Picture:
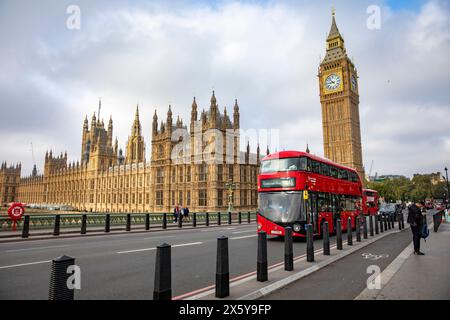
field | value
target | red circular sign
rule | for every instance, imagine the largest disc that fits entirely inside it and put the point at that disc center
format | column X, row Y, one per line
column 16, row 211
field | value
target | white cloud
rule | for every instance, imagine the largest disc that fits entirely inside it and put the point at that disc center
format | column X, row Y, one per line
column 264, row 54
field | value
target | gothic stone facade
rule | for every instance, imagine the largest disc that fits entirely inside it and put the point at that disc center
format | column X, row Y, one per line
column 106, row 181
column 9, row 180
column 340, row 104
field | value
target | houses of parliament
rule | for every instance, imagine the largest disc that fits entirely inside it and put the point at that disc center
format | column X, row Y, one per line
column 106, row 180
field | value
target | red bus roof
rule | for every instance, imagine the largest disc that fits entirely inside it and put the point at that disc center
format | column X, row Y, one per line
column 296, row 154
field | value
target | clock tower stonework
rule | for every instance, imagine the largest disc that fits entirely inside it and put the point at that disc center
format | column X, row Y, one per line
column 338, row 83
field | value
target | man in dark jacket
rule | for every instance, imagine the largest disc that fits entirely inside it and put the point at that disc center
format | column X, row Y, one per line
column 415, row 221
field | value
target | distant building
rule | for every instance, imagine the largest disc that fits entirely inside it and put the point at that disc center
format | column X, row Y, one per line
column 9, row 180
column 104, row 180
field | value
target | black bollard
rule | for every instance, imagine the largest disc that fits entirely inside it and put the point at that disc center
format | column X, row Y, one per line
column 398, row 222
column 288, row 250
column 147, row 221
column 56, row 225
column 26, row 227
column 59, row 277
column 248, row 217
column 371, row 225
column 128, row 227
column 207, row 219
column 358, row 228
column 385, row 223
column 229, row 217
column 239, row 217
column 326, row 239
column 163, row 273
column 365, row 227
column 194, row 219
column 309, row 243
column 403, row 222
column 381, row 223
column 107, row 222
column 261, row 262
column 164, row 222
column 393, row 222
column 349, row 232
column 219, row 219
column 338, row 235
column 83, row 224
column 222, row 268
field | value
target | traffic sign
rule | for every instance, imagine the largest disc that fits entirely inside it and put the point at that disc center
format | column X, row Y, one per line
column 16, row 212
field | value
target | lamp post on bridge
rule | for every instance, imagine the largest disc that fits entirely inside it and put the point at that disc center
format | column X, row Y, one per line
column 230, row 191
column 446, row 177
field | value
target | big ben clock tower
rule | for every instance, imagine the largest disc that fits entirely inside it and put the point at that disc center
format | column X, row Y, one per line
column 338, row 82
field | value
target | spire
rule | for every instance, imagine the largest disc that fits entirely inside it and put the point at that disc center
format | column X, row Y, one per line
column 267, row 151
column 194, row 105
column 236, row 115
column 169, row 119
column 307, row 148
column 334, row 31
column 136, row 117
column 110, row 125
column 213, row 99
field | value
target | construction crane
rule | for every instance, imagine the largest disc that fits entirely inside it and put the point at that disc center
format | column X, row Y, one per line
column 370, row 171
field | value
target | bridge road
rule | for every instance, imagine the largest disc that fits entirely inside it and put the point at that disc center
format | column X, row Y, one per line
column 115, row 267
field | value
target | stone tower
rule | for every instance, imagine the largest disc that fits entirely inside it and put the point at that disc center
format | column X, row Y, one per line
column 135, row 146
column 338, row 83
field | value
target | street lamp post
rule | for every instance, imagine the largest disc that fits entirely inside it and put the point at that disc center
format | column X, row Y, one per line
column 230, row 190
column 446, row 177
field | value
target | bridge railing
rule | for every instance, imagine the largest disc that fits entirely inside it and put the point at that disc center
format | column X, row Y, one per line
column 68, row 220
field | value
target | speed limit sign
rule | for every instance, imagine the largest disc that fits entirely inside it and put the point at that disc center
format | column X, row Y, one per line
column 16, row 212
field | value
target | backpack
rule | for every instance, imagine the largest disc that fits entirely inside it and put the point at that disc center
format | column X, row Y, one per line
column 424, row 233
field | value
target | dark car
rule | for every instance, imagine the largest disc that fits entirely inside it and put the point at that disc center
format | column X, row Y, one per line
column 388, row 210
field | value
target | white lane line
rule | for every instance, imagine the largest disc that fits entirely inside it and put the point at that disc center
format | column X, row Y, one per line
column 25, row 264
column 246, row 231
column 252, row 236
column 217, row 230
column 36, row 248
column 163, row 237
column 149, row 249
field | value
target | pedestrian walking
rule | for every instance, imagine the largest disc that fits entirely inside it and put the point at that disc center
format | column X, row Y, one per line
column 176, row 213
column 186, row 212
column 415, row 220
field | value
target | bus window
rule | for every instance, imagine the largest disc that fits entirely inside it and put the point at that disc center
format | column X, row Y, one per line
column 333, row 172
column 343, row 174
column 325, row 169
column 315, row 166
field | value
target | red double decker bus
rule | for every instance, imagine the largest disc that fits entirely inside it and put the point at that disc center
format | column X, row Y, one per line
column 370, row 202
column 332, row 192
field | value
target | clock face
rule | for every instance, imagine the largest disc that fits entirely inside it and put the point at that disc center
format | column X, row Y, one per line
column 353, row 79
column 332, row 82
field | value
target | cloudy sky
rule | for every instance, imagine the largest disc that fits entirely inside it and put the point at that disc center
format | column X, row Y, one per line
column 264, row 53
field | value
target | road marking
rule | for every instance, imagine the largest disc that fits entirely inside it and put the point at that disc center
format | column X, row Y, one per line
column 243, row 277
column 236, row 232
column 149, row 249
column 244, row 237
column 150, row 238
column 25, row 264
column 231, row 228
column 36, row 248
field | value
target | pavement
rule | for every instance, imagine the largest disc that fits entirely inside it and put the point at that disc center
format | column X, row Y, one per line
column 413, row 277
